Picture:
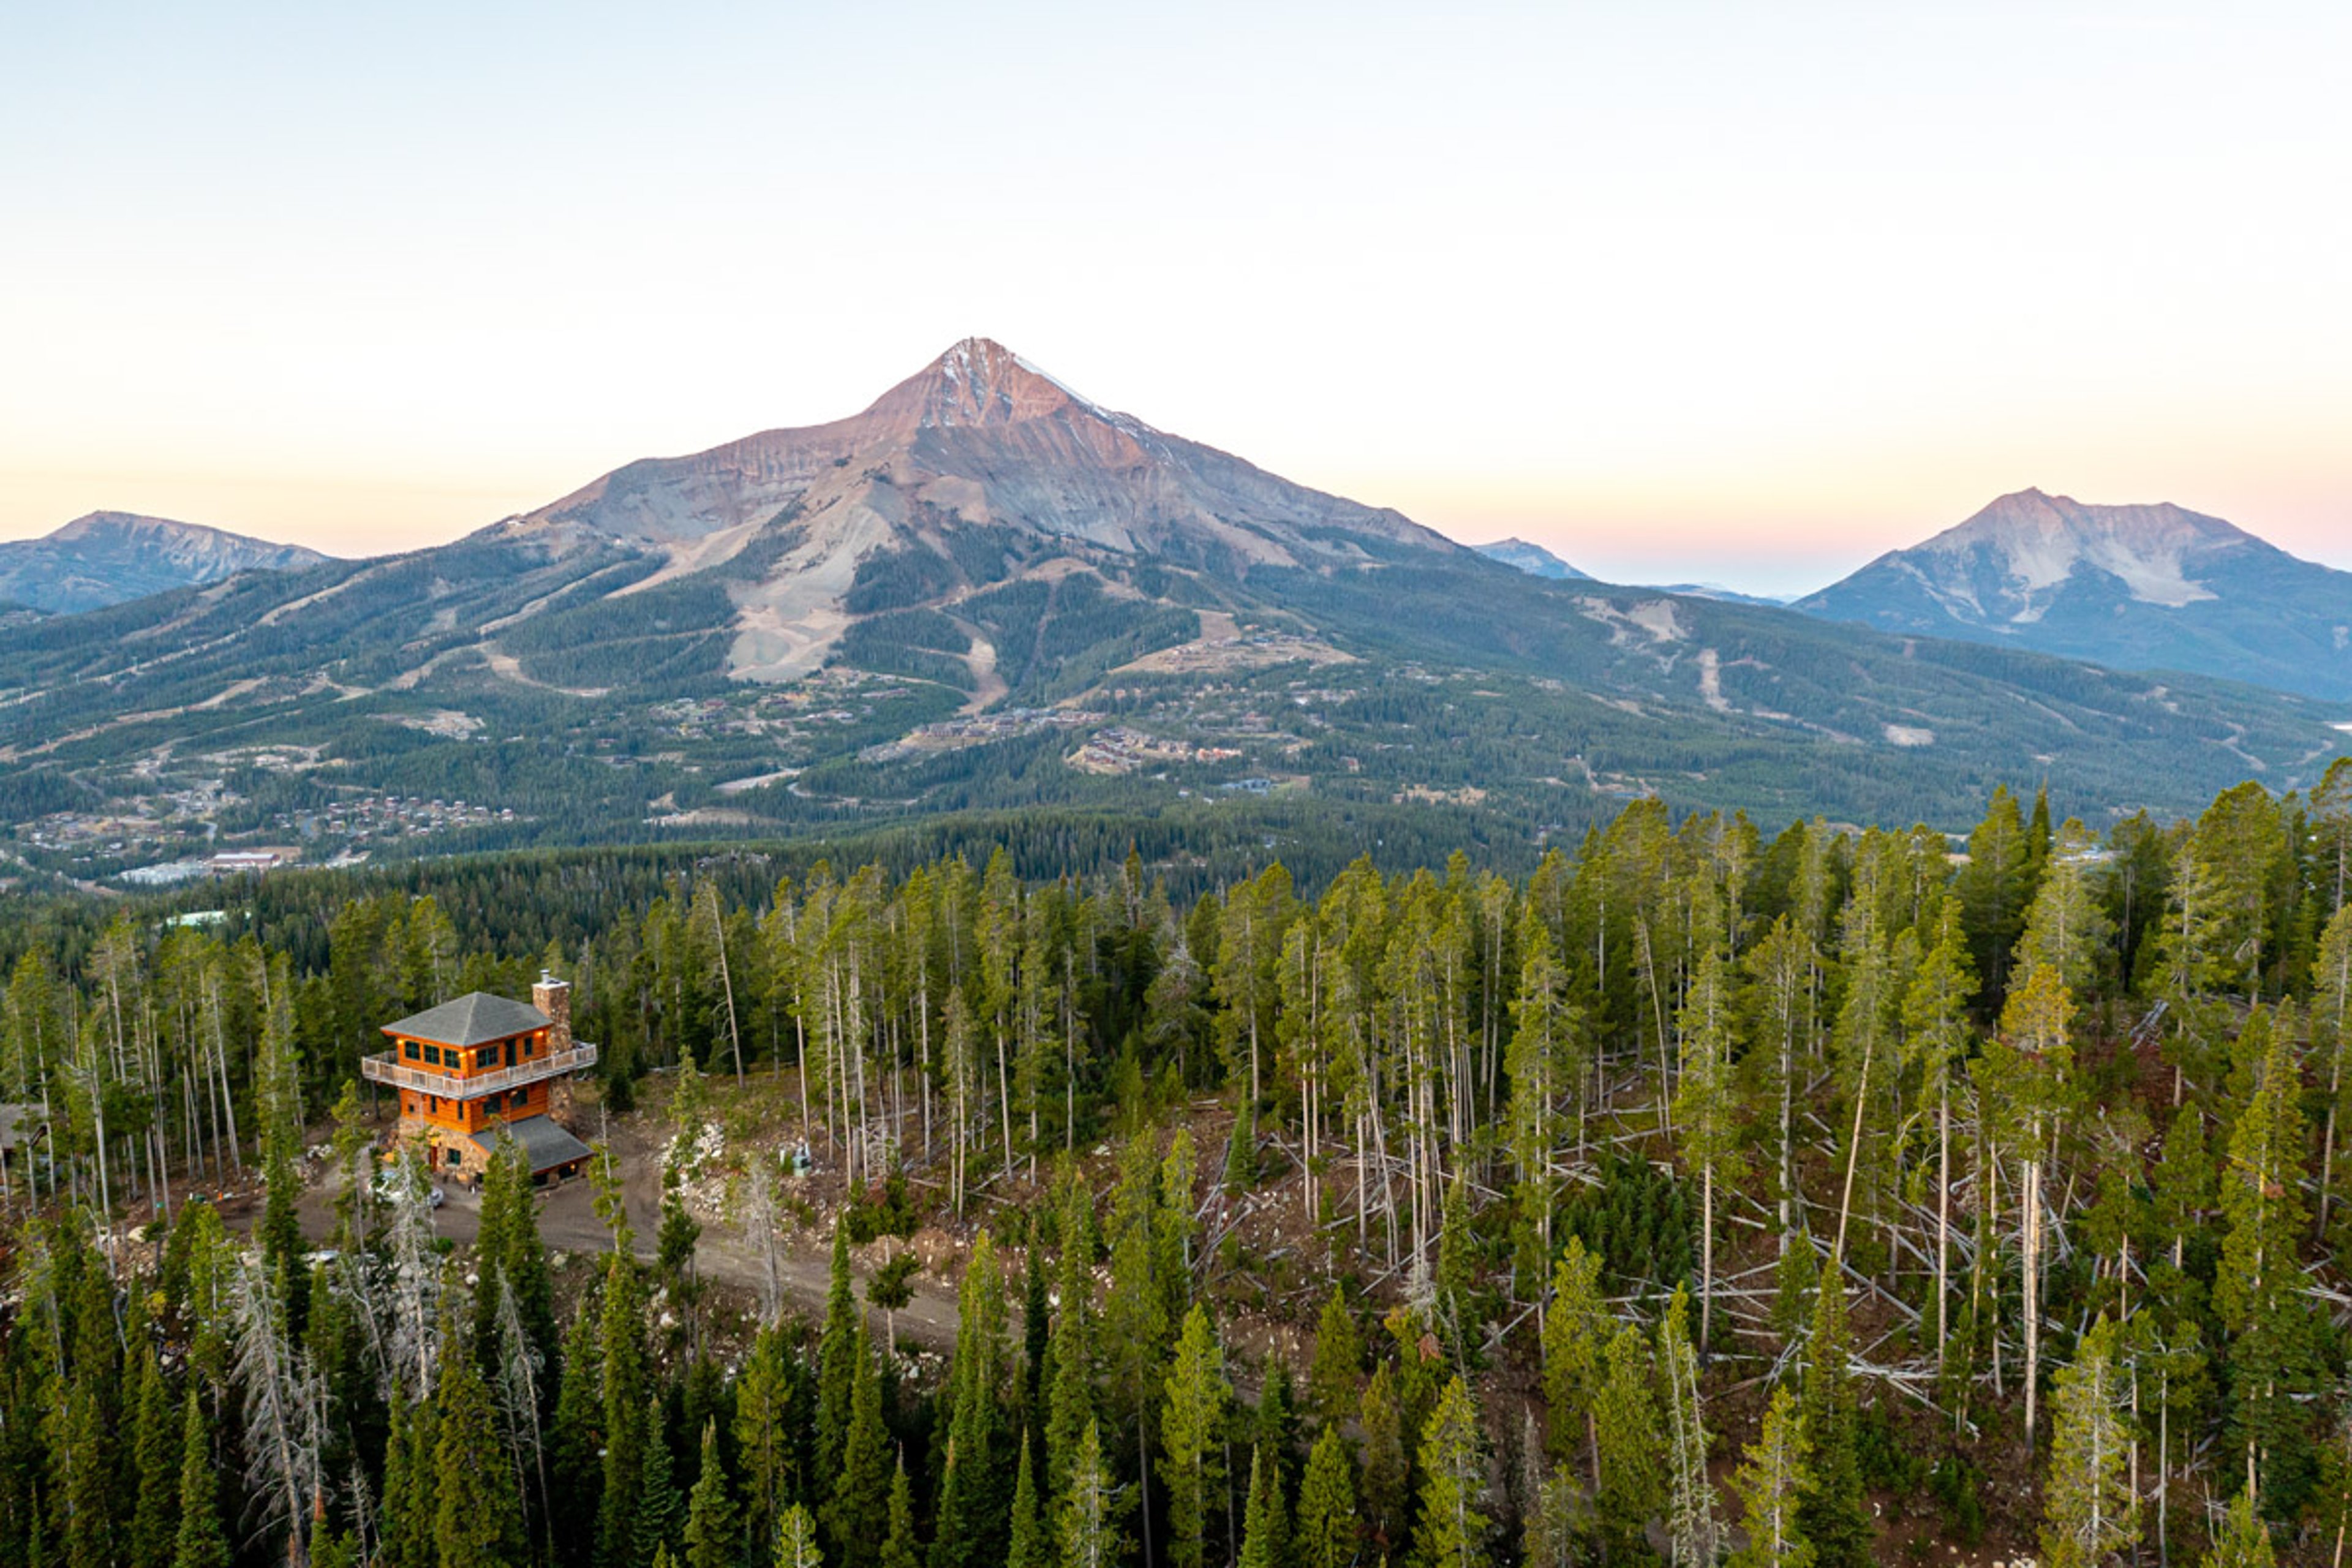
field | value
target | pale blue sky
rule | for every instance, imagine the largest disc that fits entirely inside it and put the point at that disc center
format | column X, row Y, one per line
column 1748, row 293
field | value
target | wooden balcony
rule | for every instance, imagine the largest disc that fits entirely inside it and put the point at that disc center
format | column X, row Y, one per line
column 388, row 1068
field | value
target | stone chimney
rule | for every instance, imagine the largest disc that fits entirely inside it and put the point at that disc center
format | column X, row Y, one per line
column 553, row 997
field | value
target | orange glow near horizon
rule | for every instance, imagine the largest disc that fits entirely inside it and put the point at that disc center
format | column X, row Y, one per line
column 1751, row 301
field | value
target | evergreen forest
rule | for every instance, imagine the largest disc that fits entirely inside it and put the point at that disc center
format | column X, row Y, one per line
column 1685, row 1196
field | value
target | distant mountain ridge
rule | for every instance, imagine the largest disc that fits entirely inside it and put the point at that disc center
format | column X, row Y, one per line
column 1532, row 559
column 110, row 557
column 2132, row 587
column 986, row 592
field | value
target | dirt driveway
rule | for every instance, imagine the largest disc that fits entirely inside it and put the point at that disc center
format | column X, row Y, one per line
column 568, row 1223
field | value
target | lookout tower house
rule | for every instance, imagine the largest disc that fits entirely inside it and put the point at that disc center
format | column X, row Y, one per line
column 468, row 1068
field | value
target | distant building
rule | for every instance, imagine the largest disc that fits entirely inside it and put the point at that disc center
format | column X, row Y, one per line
column 470, row 1068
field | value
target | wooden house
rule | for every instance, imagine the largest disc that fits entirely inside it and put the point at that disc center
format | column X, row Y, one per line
column 480, row 1067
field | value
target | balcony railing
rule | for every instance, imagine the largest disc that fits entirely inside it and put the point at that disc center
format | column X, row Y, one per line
column 386, row 1069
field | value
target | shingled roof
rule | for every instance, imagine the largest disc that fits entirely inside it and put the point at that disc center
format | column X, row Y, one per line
column 472, row 1019
column 548, row 1144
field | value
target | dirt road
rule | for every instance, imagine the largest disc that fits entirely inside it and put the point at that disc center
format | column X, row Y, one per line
column 568, row 1223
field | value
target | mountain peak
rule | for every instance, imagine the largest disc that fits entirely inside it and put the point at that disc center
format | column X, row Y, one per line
column 2036, row 511
column 105, row 557
column 2154, row 586
column 977, row 381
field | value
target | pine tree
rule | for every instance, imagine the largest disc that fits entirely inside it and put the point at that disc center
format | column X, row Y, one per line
column 2087, row 1504
column 1088, row 1534
column 1192, row 1463
column 1575, row 1333
column 1772, row 1484
column 1631, row 1449
column 155, row 1450
column 859, row 1514
column 1835, row 1516
column 478, row 1515
column 1265, row 1532
column 1385, row 1473
column 714, row 1537
column 796, row 1544
column 82, row 1466
column 621, row 1496
column 409, row 1509
column 661, row 1510
column 836, row 1359
column 1334, row 1379
column 575, row 1433
column 763, row 1436
column 2245, row 1541
column 971, row 1502
column 1028, row 1547
column 1452, row 1531
column 1328, row 1527
column 1070, row 1397
column 201, row 1543
column 899, row 1548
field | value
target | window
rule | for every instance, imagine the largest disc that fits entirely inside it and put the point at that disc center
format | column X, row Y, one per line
column 453, row 1154
column 408, row 1048
column 510, row 1053
column 432, row 1055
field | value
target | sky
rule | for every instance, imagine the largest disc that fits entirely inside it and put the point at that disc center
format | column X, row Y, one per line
column 1736, row 293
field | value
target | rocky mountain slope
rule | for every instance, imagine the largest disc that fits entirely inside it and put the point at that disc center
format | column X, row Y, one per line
column 109, row 557
column 986, row 593
column 2134, row 587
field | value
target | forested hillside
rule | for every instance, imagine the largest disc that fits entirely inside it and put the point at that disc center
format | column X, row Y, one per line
column 1831, row 1199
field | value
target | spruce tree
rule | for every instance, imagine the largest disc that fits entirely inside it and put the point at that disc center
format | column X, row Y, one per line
column 859, row 1514
column 200, row 1543
column 971, row 1510
column 621, row 1496
column 1088, row 1533
column 1772, row 1484
column 1833, row 1515
column 1451, row 1533
column 2243, row 1541
column 796, row 1544
column 763, row 1436
column 836, row 1359
column 1335, row 1378
column 1265, row 1532
column 476, row 1516
column 1385, row 1473
column 714, row 1535
column 1575, row 1336
column 1328, row 1528
column 1028, row 1546
column 1190, row 1431
column 1070, row 1399
column 574, row 1433
column 155, row 1449
column 1631, row 1449
column 661, row 1511
column 2088, row 1513
column 899, row 1548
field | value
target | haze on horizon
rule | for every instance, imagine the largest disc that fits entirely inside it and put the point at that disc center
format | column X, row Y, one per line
column 1680, row 293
